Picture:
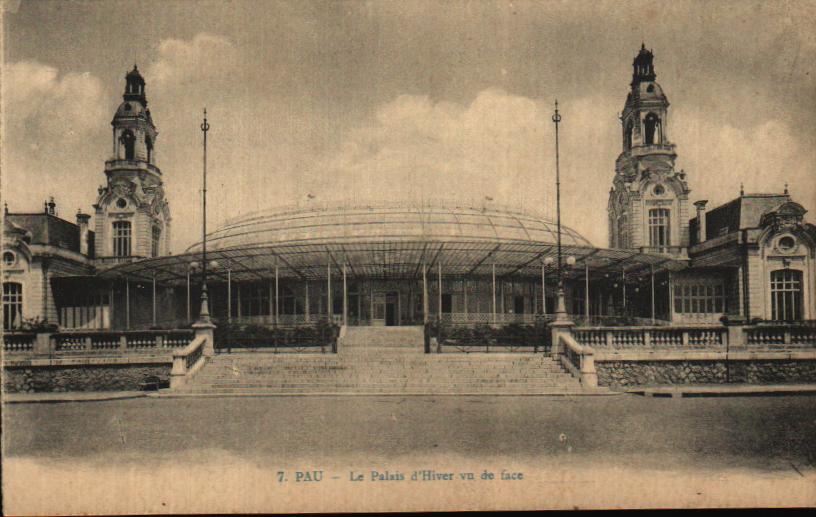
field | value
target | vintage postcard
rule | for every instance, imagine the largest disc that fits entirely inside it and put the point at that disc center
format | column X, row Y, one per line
column 370, row 256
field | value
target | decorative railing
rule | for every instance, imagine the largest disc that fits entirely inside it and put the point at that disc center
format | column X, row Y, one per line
column 483, row 338
column 318, row 338
column 112, row 165
column 19, row 342
column 780, row 336
column 651, row 337
column 120, row 341
column 469, row 318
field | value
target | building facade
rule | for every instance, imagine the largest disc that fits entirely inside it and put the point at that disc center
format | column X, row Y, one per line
column 751, row 258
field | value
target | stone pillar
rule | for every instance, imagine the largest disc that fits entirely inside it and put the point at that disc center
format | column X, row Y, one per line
column 701, row 220
column 559, row 327
column 82, row 222
column 206, row 328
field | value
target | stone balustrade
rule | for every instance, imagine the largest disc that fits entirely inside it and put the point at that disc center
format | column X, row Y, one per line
column 685, row 337
column 95, row 342
column 188, row 360
column 578, row 359
column 780, row 336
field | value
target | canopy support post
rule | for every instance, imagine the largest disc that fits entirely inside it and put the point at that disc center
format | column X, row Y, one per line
column 153, row 302
column 424, row 293
column 277, row 296
column 651, row 271
column 586, row 292
column 329, row 304
column 229, row 295
column 494, row 293
column 127, row 303
column 439, row 294
column 306, row 308
column 345, row 297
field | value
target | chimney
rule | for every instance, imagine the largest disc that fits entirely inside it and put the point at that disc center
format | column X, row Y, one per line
column 701, row 220
column 51, row 207
column 82, row 222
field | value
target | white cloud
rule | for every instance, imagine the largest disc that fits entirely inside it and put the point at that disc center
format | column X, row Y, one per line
column 53, row 140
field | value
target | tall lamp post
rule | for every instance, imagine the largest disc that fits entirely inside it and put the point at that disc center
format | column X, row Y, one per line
column 204, row 316
column 204, row 324
column 560, row 307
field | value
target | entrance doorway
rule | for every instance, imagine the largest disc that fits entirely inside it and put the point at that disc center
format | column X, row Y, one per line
column 385, row 309
column 391, row 309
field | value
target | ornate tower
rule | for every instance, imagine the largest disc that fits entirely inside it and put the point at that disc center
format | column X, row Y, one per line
column 132, row 214
column 648, row 202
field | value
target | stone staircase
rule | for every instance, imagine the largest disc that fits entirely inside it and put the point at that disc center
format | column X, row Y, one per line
column 381, row 361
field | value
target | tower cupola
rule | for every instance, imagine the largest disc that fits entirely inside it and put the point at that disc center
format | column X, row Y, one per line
column 643, row 66
column 135, row 87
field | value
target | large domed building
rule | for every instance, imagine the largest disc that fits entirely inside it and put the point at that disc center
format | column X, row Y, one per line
column 402, row 265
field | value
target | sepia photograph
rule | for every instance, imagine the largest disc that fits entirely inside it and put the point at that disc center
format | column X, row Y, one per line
column 323, row 256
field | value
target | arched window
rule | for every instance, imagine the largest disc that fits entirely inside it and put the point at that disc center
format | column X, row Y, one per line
column 12, row 305
column 623, row 242
column 630, row 127
column 121, row 238
column 129, row 142
column 652, row 129
column 786, row 295
column 149, row 145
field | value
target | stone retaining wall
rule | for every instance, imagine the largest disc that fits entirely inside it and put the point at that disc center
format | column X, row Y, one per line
column 752, row 371
column 56, row 378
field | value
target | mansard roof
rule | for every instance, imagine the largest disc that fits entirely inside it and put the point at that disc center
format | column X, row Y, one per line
column 50, row 230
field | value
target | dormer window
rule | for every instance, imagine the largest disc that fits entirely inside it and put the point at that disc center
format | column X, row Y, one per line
column 650, row 88
column 121, row 203
column 659, row 190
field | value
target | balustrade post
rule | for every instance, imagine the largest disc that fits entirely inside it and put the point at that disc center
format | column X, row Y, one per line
column 735, row 333
column 42, row 344
column 88, row 343
column 647, row 338
column 685, row 338
column 159, row 341
column 610, row 338
column 589, row 376
column 123, row 343
column 787, row 336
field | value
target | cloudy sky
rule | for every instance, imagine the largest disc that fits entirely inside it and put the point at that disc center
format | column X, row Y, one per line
column 404, row 100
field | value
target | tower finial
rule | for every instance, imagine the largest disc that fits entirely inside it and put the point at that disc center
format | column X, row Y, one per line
column 742, row 189
column 786, row 188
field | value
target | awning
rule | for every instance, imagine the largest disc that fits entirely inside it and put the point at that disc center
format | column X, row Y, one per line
column 393, row 260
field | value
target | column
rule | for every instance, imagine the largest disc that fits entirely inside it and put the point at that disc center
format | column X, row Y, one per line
column 307, row 309
column 330, row 305
column 623, row 287
column 154, row 299
column 651, row 268
column 271, row 297
column 229, row 295
column 277, row 297
column 189, row 317
column 424, row 294
column 464, row 296
column 345, row 297
column 586, row 291
column 439, row 294
column 543, row 289
column 494, row 293
column 127, row 304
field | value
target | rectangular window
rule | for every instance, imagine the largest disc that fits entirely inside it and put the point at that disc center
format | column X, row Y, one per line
column 699, row 299
column 251, row 299
column 12, row 305
column 121, row 239
column 85, row 311
column 658, row 227
column 786, row 295
column 155, row 241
